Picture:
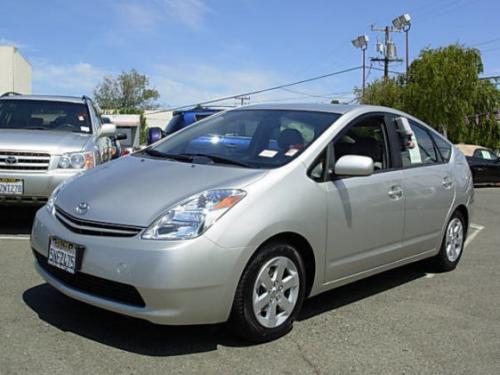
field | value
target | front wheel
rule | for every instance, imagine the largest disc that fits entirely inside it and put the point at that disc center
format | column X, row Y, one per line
column 270, row 293
column 453, row 244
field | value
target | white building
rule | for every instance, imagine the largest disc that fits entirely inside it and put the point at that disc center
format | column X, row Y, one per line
column 155, row 119
column 15, row 71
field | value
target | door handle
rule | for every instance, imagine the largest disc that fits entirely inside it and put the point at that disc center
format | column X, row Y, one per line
column 447, row 182
column 395, row 193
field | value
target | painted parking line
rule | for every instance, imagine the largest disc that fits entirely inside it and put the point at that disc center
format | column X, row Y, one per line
column 476, row 229
column 22, row 237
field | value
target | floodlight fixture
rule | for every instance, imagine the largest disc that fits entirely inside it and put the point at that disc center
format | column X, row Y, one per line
column 361, row 42
column 402, row 22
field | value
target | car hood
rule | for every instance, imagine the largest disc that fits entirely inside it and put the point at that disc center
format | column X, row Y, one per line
column 48, row 141
column 135, row 191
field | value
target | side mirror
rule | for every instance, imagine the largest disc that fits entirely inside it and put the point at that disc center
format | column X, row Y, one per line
column 120, row 136
column 107, row 130
column 154, row 135
column 354, row 165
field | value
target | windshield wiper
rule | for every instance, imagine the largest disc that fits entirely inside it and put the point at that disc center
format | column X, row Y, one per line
column 153, row 152
column 219, row 159
column 37, row 128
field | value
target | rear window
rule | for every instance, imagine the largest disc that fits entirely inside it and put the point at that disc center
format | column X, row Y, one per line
column 44, row 115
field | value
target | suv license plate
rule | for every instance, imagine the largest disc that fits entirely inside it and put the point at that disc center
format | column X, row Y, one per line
column 63, row 254
column 11, row 186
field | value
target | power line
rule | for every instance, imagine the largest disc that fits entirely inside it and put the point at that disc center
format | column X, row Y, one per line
column 485, row 42
column 255, row 92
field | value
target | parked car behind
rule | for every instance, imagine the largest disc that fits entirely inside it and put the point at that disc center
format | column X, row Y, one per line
column 45, row 140
column 483, row 162
column 179, row 120
column 321, row 196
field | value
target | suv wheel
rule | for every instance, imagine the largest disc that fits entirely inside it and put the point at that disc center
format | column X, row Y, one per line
column 270, row 293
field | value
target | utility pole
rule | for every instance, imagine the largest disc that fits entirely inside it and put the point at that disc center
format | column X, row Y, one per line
column 386, row 49
column 242, row 100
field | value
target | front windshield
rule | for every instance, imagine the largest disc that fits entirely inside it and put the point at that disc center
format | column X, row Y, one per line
column 250, row 138
column 44, row 115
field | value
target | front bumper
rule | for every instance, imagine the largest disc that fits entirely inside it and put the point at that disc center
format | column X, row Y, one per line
column 37, row 185
column 180, row 282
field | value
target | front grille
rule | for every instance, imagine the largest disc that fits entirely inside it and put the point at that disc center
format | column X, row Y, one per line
column 96, row 286
column 20, row 199
column 24, row 161
column 94, row 228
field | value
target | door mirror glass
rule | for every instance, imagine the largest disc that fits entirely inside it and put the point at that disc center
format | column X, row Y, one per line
column 354, row 165
column 154, row 135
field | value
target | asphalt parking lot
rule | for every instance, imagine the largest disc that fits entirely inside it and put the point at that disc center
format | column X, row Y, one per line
column 401, row 322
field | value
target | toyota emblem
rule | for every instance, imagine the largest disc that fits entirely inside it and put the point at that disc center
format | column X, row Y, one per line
column 11, row 160
column 82, row 208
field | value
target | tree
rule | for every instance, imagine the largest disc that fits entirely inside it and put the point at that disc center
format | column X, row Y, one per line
column 388, row 93
column 443, row 87
column 129, row 90
column 444, row 90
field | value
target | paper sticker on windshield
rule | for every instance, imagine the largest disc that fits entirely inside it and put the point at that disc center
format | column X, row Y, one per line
column 291, row 152
column 85, row 129
column 268, row 153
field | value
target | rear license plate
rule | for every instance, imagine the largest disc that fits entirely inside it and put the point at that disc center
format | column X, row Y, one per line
column 11, row 186
column 64, row 254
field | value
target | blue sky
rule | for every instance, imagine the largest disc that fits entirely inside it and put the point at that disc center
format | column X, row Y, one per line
column 194, row 50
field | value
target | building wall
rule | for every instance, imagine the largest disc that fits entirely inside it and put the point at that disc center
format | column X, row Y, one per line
column 15, row 71
column 156, row 119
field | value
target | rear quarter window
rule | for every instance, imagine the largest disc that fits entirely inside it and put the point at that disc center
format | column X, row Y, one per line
column 443, row 146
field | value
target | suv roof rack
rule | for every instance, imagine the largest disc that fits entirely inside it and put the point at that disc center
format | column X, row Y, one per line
column 9, row 93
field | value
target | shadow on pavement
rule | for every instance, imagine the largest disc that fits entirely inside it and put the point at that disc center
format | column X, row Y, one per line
column 122, row 332
column 141, row 337
column 16, row 220
column 362, row 289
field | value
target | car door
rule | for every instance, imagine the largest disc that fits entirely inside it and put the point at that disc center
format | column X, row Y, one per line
column 365, row 214
column 429, row 192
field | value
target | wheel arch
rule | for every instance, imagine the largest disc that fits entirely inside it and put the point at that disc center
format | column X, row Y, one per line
column 465, row 213
column 305, row 250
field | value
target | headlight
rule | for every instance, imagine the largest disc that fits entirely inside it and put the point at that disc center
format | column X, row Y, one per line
column 52, row 199
column 193, row 216
column 77, row 160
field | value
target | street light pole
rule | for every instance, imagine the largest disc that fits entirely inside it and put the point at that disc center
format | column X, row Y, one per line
column 406, row 30
column 361, row 42
column 364, row 69
column 403, row 23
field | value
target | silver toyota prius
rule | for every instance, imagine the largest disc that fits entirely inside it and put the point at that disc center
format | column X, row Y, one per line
column 241, row 216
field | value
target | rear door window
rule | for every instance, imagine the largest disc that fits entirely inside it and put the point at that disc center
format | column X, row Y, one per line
column 422, row 150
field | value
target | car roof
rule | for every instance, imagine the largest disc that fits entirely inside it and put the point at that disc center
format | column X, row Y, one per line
column 53, row 98
column 319, row 107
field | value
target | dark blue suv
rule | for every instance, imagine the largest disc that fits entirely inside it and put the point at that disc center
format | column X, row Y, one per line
column 181, row 119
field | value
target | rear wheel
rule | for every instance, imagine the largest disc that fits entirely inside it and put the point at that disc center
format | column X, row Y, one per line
column 453, row 244
column 270, row 293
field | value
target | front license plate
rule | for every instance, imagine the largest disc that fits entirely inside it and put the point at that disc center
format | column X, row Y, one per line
column 11, row 186
column 64, row 254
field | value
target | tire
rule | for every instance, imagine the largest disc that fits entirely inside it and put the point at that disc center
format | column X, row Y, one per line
column 452, row 246
column 255, row 321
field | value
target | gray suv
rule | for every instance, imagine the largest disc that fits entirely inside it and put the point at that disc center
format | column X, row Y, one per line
column 44, row 140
